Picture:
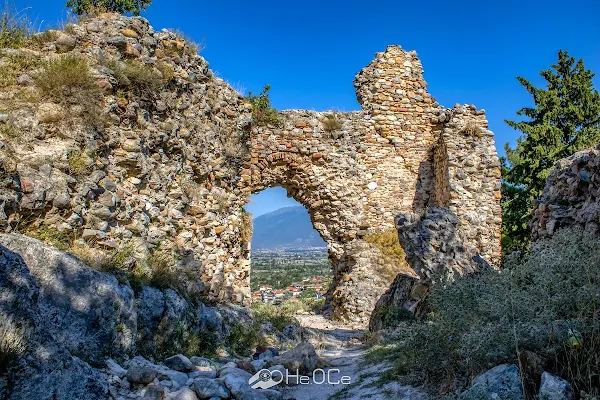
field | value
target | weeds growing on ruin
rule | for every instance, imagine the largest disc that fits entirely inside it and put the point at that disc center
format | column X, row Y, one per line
column 331, row 123
column 67, row 80
column 263, row 113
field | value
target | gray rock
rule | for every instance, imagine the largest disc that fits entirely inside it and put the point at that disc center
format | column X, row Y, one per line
column 302, row 358
column 268, row 354
column 61, row 378
column 203, row 373
column 25, row 80
column 88, row 312
column 183, row 394
column 115, row 368
column 209, row 388
column 226, row 371
column 555, row 388
column 65, row 43
column 179, row 362
column 153, row 392
column 258, row 364
column 141, row 374
column 271, row 394
column 240, row 389
column 177, row 378
column 501, row 382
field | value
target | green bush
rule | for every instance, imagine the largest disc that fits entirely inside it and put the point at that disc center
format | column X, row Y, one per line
column 531, row 306
column 262, row 112
column 280, row 316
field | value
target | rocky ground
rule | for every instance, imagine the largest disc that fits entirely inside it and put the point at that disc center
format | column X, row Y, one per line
column 341, row 351
column 336, row 350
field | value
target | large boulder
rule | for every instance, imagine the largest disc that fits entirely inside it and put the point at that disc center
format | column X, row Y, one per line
column 302, row 358
column 88, row 312
column 501, row 382
column 31, row 302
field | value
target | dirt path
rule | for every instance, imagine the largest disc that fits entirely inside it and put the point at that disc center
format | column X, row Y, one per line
column 341, row 351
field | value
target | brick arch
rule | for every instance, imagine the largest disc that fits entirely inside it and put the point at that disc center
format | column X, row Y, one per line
column 401, row 153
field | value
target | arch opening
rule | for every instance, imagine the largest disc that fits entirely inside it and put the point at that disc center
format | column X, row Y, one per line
column 289, row 259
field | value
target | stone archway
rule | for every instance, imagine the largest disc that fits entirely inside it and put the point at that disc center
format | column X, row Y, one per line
column 402, row 152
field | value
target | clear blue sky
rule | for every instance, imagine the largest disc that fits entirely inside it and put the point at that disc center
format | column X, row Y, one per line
column 309, row 51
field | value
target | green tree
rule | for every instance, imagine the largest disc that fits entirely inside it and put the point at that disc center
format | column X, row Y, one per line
column 565, row 119
column 120, row 6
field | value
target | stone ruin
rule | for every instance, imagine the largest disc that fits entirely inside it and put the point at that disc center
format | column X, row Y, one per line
column 174, row 172
column 402, row 153
column 571, row 197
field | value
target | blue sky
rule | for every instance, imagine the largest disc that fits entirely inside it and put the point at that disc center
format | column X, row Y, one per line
column 309, row 51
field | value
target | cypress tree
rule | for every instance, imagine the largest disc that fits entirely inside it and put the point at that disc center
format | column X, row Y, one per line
column 565, row 119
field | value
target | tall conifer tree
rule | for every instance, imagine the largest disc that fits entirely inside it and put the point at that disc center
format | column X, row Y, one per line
column 565, row 119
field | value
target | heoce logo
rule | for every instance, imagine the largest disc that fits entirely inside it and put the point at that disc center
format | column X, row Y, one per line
column 265, row 379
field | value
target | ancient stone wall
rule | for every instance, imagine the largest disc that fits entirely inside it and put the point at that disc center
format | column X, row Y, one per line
column 571, row 197
column 401, row 153
column 172, row 170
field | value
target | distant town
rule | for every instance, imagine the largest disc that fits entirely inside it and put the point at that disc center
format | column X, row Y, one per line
column 279, row 275
column 313, row 288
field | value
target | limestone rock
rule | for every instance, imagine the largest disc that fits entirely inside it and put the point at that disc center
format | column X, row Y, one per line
column 183, row 394
column 179, row 362
column 571, row 196
column 141, row 374
column 208, row 388
column 501, row 382
column 86, row 311
column 555, row 388
column 302, row 358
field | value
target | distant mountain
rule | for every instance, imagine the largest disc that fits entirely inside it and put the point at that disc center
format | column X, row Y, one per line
column 286, row 228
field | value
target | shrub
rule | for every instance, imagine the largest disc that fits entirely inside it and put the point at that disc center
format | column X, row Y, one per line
column 140, row 79
column 280, row 316
column 331, row 123
column 8, row 131
column 262, row 111
column 164, row 268
column 244, row 337
column 15, row 28
column 12, row 342
column 15, row 65
column 47, row 233
column 93, row 7
column 79, row 162
column 40, row 39
column 530, row 307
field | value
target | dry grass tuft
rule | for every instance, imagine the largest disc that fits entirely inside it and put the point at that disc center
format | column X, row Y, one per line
column 331, row 123
column 67, row 80
column 471, row 128
column 12, row 342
